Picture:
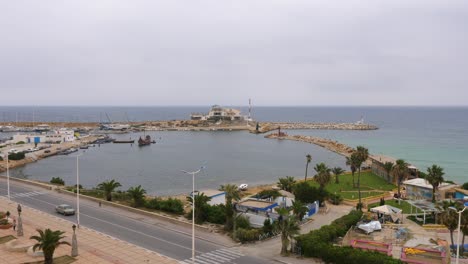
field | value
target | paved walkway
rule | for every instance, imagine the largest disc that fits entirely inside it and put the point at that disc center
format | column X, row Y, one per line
column 93, row 247
column 270, row 249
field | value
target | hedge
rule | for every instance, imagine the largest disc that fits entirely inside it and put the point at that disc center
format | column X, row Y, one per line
column 317, row 244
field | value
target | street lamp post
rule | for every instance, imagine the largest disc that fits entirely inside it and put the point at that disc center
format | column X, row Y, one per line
column 459, row 226
column 193, row 210
column 8, row 174
column 78, row 191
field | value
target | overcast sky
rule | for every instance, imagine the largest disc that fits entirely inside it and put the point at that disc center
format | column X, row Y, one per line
column 193, row 52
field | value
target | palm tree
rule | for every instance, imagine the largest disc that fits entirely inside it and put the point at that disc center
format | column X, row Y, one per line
column 351, row 161
column 108, row 187
column 288, row 227
column 435, row 176
column 449, row 218
column 388, row 168
column 337, row 171
column 308, row 160
column 48, row 241
column 464, row 229
column 286, row 183
column 201, row 200
column 299, row 209
column 138, row 195
column 399, row 171
column 362, row 154
column 231, row 193
column 323, row 175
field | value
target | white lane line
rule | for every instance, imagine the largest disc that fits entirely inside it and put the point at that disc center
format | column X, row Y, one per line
column 231, row 252
column 205, row 258
column 197, row 260
column 224, row 258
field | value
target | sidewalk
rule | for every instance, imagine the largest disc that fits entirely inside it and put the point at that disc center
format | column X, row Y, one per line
column 93, row 247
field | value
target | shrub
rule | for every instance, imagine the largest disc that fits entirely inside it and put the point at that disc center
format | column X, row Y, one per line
column 3, row 221
column 267, row 226
column 16, row 156
column 335, row 199
column 2, row 215
column 20, row 143
column 267, row 194
column 243, row 222
column 246, row 235
column 170, row 205
column 58, row 180
column 216, row 214
column 1, row 158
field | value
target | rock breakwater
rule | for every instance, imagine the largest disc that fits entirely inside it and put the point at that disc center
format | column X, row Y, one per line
column 329, row 144
column 270, row 126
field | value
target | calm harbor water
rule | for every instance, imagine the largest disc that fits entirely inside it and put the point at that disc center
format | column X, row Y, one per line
column 421, row 135
column 230, row 157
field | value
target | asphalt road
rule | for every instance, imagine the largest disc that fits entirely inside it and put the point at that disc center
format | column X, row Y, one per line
column 168, row 239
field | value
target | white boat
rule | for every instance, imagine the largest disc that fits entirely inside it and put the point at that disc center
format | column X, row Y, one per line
column 243, row 186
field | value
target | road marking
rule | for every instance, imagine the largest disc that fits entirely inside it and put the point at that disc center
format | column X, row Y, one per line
column 26, row 194
column 216, row 257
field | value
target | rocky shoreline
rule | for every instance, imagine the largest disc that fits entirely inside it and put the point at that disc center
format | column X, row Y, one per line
column 38, row 155
column 329, row 144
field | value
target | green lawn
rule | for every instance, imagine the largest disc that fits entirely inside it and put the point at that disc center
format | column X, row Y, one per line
column 371, row 185
column 406, row 207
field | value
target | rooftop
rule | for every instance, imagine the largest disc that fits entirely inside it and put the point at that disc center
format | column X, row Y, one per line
column 420, row 182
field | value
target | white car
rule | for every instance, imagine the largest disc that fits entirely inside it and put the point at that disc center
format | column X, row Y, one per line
column 65, row 209
column 243, row 186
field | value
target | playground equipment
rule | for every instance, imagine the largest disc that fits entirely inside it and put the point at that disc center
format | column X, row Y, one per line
column 423, row 255
column 372, row 245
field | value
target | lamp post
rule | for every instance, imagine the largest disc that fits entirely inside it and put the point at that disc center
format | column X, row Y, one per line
column 8, row 174
column 459, row 225
column 193, row 210
column 78, row 190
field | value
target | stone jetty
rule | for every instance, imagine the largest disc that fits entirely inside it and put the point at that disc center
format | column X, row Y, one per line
column 270, row 126
column 329, row 144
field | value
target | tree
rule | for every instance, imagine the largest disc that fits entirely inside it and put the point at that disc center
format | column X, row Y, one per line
column 286, row 183
column 323, row 175
column 464, row 229
column 449, row 218
column 351, row 161
column 388, row 168
column 232, row 193
column 305, row 193
column 308, row 160
column 362, row 154
column 138, row 195
column 288, row 227
column 201, row 202
column 399, row 171
column 299, row 209
column 108, row 187
column 435, row 176
column 465, row 186
column 337, row 171
column 48, row 241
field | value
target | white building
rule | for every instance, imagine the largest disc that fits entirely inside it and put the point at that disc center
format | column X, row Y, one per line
column 55, row 136
column 420, row 189
column 217, row 113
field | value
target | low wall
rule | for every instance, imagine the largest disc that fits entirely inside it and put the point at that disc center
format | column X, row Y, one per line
column 35, row 183
column 136, row 210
